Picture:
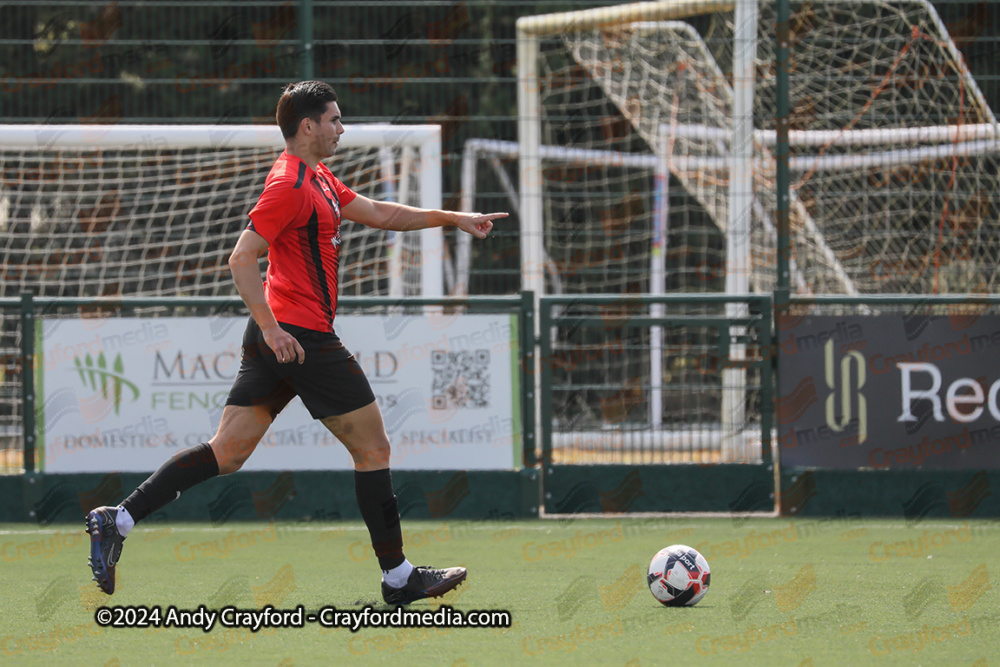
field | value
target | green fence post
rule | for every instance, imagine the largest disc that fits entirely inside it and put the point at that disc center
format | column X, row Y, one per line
column 528, row 376
column 28, row 379
column 782, row 292
column 781, row 153
column 306, row 39
column 545, row 386
column 769, row 350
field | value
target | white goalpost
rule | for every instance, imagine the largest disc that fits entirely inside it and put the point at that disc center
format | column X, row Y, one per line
column 895, row 157
column 154, row 210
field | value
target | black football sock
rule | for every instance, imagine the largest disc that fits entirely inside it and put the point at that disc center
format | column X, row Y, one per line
column 381, row 514
column 184, row 470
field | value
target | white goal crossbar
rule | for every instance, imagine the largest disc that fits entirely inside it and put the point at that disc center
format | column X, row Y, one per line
column 214, row 137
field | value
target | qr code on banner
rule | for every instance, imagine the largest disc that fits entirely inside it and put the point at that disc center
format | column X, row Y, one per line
column 461, row 379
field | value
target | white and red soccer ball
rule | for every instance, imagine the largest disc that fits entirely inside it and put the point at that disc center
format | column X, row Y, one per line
column 679, row 576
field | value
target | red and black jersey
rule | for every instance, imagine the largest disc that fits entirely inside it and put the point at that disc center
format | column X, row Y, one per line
column 298, row 214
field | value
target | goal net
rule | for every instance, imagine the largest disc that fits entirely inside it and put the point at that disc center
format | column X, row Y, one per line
column 89, row 211
column 628, row 165
column 894, row 149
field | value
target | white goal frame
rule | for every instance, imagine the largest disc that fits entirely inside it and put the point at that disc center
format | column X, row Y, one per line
column 422, row 142
column 529, row 29
column 741, row 137
column 533, row 260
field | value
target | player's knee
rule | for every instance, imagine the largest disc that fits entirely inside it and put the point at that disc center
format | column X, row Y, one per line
column 232, row 454
column 375, row 457
column 230, row 465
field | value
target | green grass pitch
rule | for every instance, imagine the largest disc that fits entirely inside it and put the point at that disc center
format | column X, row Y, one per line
column 846, row 591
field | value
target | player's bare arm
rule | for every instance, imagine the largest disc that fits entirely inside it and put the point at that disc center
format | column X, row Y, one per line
column 243, row 264
column 402, row 218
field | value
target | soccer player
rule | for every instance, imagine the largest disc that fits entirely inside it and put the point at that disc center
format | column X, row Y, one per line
column 290, row 347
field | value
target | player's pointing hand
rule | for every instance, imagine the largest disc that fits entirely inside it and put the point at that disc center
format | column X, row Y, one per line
column 478, row 224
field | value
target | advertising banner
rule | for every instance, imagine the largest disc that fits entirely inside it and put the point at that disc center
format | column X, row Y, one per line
column 126, row 394
column 889, row 391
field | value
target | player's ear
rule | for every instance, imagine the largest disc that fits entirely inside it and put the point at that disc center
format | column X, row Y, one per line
column 305, row 125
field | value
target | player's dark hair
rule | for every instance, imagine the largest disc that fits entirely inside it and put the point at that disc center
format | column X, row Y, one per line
column 305, row 99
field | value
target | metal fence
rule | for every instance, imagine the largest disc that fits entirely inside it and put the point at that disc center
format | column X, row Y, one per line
column 644, row 379
column 224, row 60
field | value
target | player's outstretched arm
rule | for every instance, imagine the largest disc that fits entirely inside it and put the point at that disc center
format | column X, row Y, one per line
column 401, row 218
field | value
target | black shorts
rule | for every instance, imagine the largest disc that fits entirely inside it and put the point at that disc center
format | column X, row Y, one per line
column 330, row 382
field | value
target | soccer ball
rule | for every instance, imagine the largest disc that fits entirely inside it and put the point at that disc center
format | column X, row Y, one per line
column 678, row 576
